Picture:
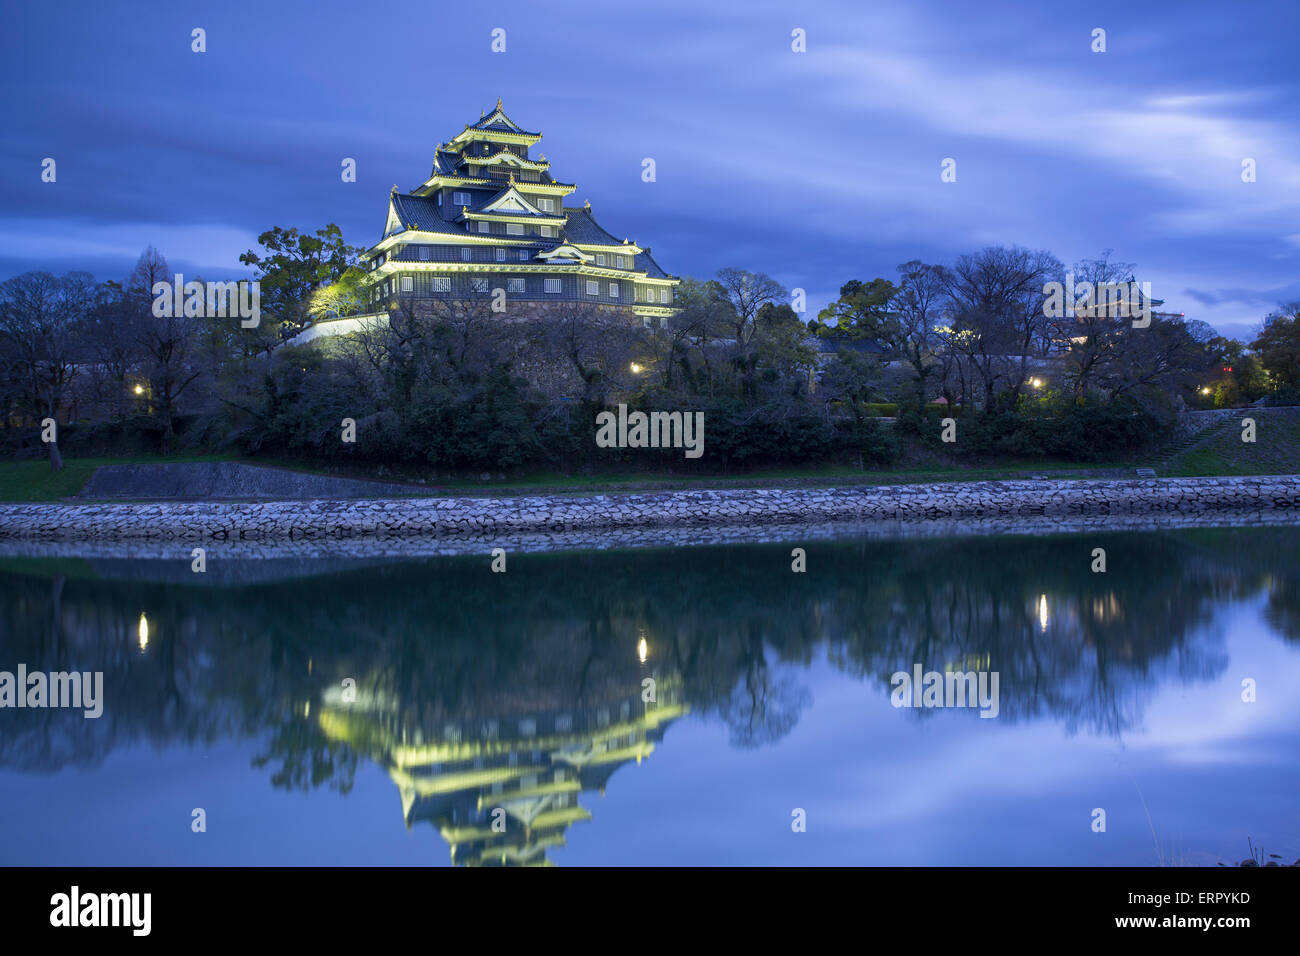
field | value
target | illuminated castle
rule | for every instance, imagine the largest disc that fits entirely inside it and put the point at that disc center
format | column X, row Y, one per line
column 490, row 216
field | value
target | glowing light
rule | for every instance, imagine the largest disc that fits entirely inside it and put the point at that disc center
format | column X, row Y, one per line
column 139, row 389
column 642, row 650
column 306, row 709
column 144, row 631
column 636, row 369
column 1205, row 391
column 1036, row 382
column 1042, row 611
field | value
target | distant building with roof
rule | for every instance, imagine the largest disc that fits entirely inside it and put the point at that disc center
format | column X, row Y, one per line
column 490, row 216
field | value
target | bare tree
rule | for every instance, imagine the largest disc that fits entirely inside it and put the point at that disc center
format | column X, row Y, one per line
column 918, row 309
column 997, row 302
column 1094, row 335
column 747, row 292
column 41, row 325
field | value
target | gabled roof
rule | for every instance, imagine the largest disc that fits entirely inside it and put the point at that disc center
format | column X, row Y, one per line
column 511, row 200
column 565, row 251
column 497, row 120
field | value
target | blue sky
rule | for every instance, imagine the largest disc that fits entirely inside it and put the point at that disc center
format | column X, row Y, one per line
column 815, row 167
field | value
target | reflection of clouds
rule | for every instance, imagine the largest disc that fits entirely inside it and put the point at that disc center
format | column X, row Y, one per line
column 1213, row 725
column 938, row 790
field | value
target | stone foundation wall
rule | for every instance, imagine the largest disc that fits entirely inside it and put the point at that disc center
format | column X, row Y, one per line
column 451, row 517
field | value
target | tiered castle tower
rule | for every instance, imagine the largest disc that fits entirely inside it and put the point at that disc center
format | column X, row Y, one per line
column 491, row 216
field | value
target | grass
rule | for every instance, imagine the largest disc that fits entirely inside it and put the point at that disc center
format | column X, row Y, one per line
column 1275, row 451
column 33, row 480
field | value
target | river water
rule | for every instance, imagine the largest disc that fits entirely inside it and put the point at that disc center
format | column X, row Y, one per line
column 425, row 711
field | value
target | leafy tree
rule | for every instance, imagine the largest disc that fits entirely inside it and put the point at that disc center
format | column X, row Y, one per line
column 1278, row 346
column 294, row 265
column 348, row 295
column 861, row 312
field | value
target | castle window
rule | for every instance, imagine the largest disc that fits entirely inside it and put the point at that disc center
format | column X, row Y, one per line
column 524, row 255
column 548, row 231
column 552, row 285
column 501, row 255
column 613, row 290
column 618, row 261
column 484, row 226
column 600, row 258
column 663, row 295
column 593, row 288
column 407, row 284
column 514, row 285
column 663, row 321
column 460, row 199
column 478, row 285
column 464, row 255
column 439, row 200
column 546, row 205
column 442, row 283
column 424, row 253
column 648, row 322
column 514, row 229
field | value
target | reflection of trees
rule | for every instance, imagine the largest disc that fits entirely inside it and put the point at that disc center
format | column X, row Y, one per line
column 445, row 640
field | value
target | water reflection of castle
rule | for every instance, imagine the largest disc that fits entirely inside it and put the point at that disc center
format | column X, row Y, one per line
column 462, row 775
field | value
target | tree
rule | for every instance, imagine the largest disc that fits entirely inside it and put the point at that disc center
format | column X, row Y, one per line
column 1095, row 334
column 348, row 295
column 1278, row 346
column 781, row 347
column 294, row 266
column 169, row 344
column 861, row 312
column 41, row 327
column 918, row 308
column 746, row 292
column 998, row 314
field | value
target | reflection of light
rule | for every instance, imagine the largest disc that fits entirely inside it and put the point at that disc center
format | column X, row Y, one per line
column 642, row 650
column 144, row 631
column 139, row 389
column 306, row 709
column 636, row 369
column 1042, row 611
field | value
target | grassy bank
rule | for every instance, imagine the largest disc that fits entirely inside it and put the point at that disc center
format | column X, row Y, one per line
column 1219, row 451
column 32, row 480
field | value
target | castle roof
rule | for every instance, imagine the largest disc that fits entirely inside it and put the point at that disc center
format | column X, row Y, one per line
column 581, row 228
column 423, row 211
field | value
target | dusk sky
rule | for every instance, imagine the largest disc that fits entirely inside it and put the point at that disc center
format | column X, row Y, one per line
column 815, row 167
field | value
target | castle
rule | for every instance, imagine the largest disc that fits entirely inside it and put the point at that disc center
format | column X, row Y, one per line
column 491, row 217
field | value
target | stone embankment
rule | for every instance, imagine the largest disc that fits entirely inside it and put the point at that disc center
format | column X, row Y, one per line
column 450, row 517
